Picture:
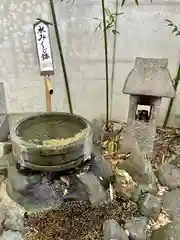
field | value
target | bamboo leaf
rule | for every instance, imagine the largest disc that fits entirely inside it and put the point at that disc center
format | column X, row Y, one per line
column 117, row 14
column 115, row 32
column 167, row 20
column 123, row 2
column 95, row 18
column 137, row 3
column 175, row 29
column 109, row 26
column 108, row 12
column 170, row 24
column 98, row 27
column 178, row 33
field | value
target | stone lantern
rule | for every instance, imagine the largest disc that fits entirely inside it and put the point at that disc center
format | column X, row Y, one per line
column 147, row 84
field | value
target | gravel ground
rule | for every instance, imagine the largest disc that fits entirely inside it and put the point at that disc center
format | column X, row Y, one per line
column 79, row 220
column 76, row 220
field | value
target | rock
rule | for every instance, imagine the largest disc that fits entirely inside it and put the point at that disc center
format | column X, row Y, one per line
column 5, row 147
column 171, row 204
column 2, row 213
column 150, row 206
column 2, row 178
column 137, row 228
column 139, row 168
column 101, row 168
column 141, row 190
column 11, row 235
column 14, row 221
column 77, row 190
column 97, row 126
column 112, row 230
column 20, row 181
column 169, row 175
column 174, row 159
column 4, row 163
column 96, row 192
column 171, row 231
column 124, row 185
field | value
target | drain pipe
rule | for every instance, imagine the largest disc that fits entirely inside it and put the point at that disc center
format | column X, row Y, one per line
column 61, row 55
column 177, row 79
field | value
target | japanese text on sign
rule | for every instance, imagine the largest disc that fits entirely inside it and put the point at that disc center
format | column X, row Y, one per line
column 44, row 47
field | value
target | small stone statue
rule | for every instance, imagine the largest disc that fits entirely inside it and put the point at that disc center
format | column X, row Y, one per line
column 142, row 115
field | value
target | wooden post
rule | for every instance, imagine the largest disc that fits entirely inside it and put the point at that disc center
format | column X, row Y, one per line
column 49, row 92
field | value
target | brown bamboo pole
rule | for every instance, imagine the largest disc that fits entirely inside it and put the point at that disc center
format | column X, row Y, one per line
column 49, row 92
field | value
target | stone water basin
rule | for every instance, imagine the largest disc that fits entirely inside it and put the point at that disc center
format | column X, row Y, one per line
column 37, row 141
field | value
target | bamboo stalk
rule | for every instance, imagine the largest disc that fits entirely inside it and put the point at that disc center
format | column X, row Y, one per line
column 106, row 64
column 61, row 56
column 49, row 86
column 113, row 60
column 172, row 99
column 49, row 92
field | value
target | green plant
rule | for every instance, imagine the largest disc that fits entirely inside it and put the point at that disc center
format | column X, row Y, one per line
column 110, row 19
column 109, row 22
column 68, row 1
column 61, row 55
column 176, row 31
column 136, row 1
column 114, row 58
column 106, row 63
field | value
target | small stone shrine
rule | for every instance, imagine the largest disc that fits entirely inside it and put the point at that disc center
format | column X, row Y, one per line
column 147, row 84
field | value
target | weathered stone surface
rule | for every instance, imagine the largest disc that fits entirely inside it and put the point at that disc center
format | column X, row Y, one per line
column 5, row 147
column 169, row 175
column 137, row 228
column 14, row 221
column 77, row 190
column 2, row 178
column 151, row 77
column 141, row 190
column 21, row 181
column 4, row 125
column 101, row 168
column 4, row 161
column 97, row 125
column 171, row 231
column 171, row 204
column 140, row 169
column 175, row 160
column 11, row 235
column 112, row 230
column 2, row 217
column 150, row 206
column 2, row 213
column 92, row 185
column 124, row 185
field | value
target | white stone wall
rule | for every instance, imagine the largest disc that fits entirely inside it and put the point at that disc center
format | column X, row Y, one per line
column 143, row 33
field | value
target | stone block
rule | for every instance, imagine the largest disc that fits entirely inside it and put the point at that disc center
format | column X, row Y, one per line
column 112, row 230
column 137, row 228
column 169, row 175
column 150, row 206
column 96, row 193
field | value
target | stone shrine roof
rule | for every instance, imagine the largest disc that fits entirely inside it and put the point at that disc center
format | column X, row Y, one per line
column 151, row 77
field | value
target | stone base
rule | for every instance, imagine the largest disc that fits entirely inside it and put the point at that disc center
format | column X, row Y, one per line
column 141, row 133
column 37, row 191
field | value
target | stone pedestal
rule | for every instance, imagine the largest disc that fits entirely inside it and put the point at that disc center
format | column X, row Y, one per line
column 41, row 190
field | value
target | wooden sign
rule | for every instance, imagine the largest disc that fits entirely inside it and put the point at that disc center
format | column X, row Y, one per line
column 43, row 44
